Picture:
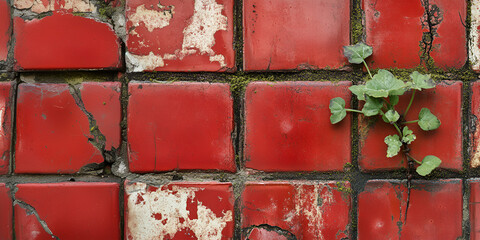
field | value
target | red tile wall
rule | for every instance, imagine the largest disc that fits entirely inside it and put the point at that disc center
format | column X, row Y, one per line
column 210, row 120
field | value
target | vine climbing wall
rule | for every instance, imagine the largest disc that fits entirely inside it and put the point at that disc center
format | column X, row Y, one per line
column 209, row 119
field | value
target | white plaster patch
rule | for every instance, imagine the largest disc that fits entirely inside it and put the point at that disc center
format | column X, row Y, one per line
column 139, row 63
column 474, row 36
column 152, row 19
column 198, row 36
column 162, row 213
column 38, row 6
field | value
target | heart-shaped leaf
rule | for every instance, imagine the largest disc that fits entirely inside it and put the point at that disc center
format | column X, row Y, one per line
column 372, row 106
column 359, row 91
column 421, row 81
column 394, row 145
column 357, row 53
column 408, row 136
column 384, row 84
column 427, row 121
column 392, row 116
column 337, row 108
column 429, row 163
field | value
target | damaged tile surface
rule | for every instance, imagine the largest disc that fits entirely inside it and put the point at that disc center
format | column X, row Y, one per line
column 67, row 210
column 283, row 122
column 6, row 213
column 286, row 34
column 5, row 125
column 445, row 101
column 295, row 210
column 474, row 44
column 72, row 135
column 201, row 211
column 180, row 126
column 5, row 29
column 426, row 31
column 475, row 104
column 68, row 35
column 175, row 35
column 435, row 210
column 474, row 205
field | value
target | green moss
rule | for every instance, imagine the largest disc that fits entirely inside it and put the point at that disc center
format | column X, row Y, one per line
column 356, row 23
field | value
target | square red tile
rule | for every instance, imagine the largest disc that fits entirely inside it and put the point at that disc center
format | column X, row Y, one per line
column 49, row 112
column 295, row 210
column 180, row 35
column 70, row 210
column 6, row 213
column 304, row 34
column 445, row 102
column 6, row 98
column 184, row 210
column 180, row 126
column 63, row 39
column 435, row 210
column 288, row 127
column 474, row 209
column 5, row 29
column 392, row 25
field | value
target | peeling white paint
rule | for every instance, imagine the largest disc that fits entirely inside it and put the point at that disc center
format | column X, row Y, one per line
column 139, row 63
column 474, row 36
column 152, row 19
column 79, row 6
column 198, row 36
column 38, row 6
column 307, row 205
column 162, row 213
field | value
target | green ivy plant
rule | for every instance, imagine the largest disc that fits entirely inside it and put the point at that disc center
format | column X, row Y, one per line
column 381, row 95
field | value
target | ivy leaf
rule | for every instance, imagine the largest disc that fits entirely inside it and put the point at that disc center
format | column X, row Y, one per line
column 394, row 144
column 372, row 106
column 357, row 53
column 421, row 81
column 359, row 91
column 408, row 136
column 427, row 121
column 392, row 116
column 384, row 84
column 337, row 108
column 429, row 163
column 394, row 99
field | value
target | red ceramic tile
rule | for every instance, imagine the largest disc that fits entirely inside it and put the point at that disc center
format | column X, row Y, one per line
column 65, row 41
column 288, row 127
column 286, row 34
column 445, row 102
column 5, row 29
column 49, row 112
column 392, row 25
column 297, row 210
column 180, row 126
column 180, row 35
column 435, row 210
column 184, row 210
column 69, row 210
column 6, row 125
column 6, row 213
column 475, row 154
column 474, row 209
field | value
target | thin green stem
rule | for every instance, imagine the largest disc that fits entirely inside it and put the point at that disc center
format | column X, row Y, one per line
column 414, row 121
column 410, row 156
column 353, row 110
column 398, row 129
column 410, row 103
column 368, row 70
